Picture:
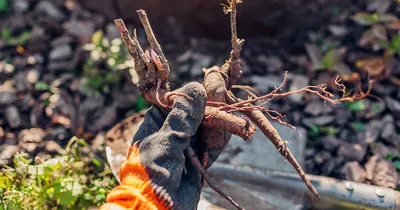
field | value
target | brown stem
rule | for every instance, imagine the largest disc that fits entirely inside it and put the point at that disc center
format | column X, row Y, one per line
column 228, row 122
column 265, row 126
column 232, row 66
column 143, row 67
column 154, row 43
column 233, row 23
column 214, row 118
column 189, row 153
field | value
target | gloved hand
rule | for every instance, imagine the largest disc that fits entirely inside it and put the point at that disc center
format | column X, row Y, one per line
column 156, row 174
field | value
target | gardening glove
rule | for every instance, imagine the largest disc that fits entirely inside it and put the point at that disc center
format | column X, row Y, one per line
column 156, row 174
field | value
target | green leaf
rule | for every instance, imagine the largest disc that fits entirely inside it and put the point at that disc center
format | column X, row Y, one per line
column 5, row 33
column 330, row 59
column 358, row 126
column 357, row 106
column 313, row 130
column 396, row 164
column 42, row 86
column 330, row 130
column 141, row 103
column 395, row 43
column 3, row 5
column 387, row 18
column 96, row 81
column 63, row 194
column 112, row 78
column 97, row 38
column 336, row 9
column 96, row 162
column 20, row 39
column 82, row 142
column 384, row 44
column 390, row 156
column 5, row 182
column 366, row 19
column 66, row 198
column 376, row 108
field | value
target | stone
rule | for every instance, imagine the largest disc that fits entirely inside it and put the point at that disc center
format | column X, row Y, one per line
column 319, row 121
column 30, row 147
column 36, row 114
column 376, row 108
column 107, row 118
column 314, row 108
column 82, row 29
column 258, row 153
column 61, row 40
column 39, row 59
column 398, row 180
column 59, row 133
column 52, row 147
column 383, row 90
column 295, row 117
column 61, row 52
column 51, row 10
column 310, row 152
column 11, row 139
column 62, row 104
column 98, row 141
column 342, row 115
column 352, row 152
column 394, row 106
column 373, row 130
column 322, row 157
column 378, row 6
column 2, row 135
column 21, row 84
column 38, row 44
column 264, row 84
column 13, row 117
column 338, row 30
column 111, row 33
column 328, row 167
column 299, row 60
column 56, row 66
column 299, row 81
column 200, row 61
column 382, row 150
column 381, row 172
column 20, row 5
column 7, row 152
column 106, row 7
column 91, row 104
column 33, row 135
column 17, row 22
column 330, row 143
column 33, row 76
column 353, row 171
column 273, row 63
column 183, row 58
column 8, row 95
column 387, row 132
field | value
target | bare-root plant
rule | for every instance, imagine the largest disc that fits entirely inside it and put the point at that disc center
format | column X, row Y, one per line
column 153, row 70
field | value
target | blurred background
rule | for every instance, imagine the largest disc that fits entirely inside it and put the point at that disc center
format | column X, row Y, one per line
column 66, row 79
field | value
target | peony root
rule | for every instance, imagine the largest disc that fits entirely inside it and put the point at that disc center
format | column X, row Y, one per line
column 153, row 70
